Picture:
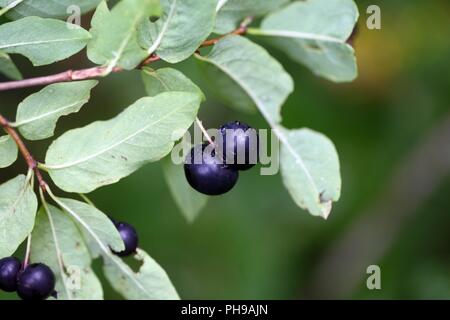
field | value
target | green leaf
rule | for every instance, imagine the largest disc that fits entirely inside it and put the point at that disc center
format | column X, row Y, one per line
column 96, row 226
column 309, row 162
column 37, row 115
column 314, row 33
column 103, row 152
column 187, row 199
column 8, row 68
column 310, row 170
column 114, row 34
column 255, row 71
column 166, row 80
column 43, row 41
column 226, row 90
column 48, row 9
column 185, row 24
column 233, row 12
column 149, row 283
column 55, row 229
column 8, row 151
column 18, row 205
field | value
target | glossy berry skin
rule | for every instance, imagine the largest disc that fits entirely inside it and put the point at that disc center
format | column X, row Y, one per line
column 130, row 238
column 206, row 174
column 36, row 282
column 9, row 269
column 245, row 140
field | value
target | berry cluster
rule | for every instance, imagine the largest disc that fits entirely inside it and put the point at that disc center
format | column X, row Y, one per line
column 37, row 281
column 34, row 282
column 214, row 169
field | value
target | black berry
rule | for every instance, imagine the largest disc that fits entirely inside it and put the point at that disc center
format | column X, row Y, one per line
column 130, row 238
column 240, row 145
column 9, row 269
column 206, row 174
column 36, row 282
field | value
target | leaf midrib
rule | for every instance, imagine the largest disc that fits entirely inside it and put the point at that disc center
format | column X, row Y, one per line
column 89, row 157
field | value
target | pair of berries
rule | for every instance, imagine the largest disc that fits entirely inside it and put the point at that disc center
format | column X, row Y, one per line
column 214, row 170
column 35, row 282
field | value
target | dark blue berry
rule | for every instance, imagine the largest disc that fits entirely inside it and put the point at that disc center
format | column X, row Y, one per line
column 9, row 269
column 206, row 174
column 130, row 238
column 36, row 282
column 240, row 145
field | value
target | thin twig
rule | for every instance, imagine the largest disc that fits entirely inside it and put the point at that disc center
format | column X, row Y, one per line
column 32, row 164
column 26, row 261
column 205, row 133
column 95, row 72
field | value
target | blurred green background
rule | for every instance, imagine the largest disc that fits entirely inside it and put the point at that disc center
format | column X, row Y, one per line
column 392, row 131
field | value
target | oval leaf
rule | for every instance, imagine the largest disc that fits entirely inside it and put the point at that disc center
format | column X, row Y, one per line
column 187, row 199
column 18, row 205
column 75, row 280
column 8, row 68
column 254, row 70
column 37, row 115
column 8, row 151
column 314, row 33
column 114, row 34
column 310, row 170
column 185, row 24
column 149, row 283
column 43, row 41
column 232, row 12
column 166, row 80
column 49, row 9
column 103, row 152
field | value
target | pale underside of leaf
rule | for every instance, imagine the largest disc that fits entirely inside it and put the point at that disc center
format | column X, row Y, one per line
column 47, row 8
column 18, row 205
column 154, row 284
column 8, row 68
column 8, row 151
column 38, row 114
column 43, row 41
column 314, row 33
column 104, row 152
column 55, row 232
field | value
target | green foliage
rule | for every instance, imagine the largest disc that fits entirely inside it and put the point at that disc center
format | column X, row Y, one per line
column 46, row 8
column 43, row 41
column 310, row 169
column 315, row 33
column 56, row 233
column 180, row 31
column 232, row 12
column 129, row 35
column 114, row 34
column 8, row 151
column 18, row 205
column 8, row 68
column 37, row 115
column 149, row 283
column 102, row 153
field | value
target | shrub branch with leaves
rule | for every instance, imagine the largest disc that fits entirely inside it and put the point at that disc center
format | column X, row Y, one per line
column 67, row 234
